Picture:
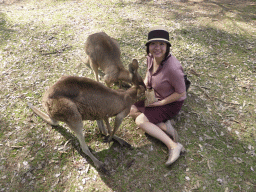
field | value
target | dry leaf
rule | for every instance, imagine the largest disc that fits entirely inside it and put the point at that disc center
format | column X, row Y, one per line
column 193, row 71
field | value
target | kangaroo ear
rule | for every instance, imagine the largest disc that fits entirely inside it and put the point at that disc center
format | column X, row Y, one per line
column 133, row 66
column 131, row 69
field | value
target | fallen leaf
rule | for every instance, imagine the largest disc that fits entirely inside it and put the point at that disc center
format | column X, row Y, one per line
column 219, row 180
column 238, row 159
column 207, row 137
column 57, row 175
column 193, row 71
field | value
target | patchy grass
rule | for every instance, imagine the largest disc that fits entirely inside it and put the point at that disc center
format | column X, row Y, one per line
column 214, row 40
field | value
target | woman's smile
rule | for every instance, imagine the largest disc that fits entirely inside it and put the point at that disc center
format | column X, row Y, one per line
column 158, row 49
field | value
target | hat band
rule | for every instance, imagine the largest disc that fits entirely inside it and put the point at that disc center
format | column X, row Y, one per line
column 158, row 39
column 158, row 34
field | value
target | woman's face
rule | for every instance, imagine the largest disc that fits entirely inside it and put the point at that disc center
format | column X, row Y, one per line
column 158, row 49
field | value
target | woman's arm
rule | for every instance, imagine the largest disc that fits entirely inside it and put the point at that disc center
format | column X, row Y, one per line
column 146, row 80
column 172, row 98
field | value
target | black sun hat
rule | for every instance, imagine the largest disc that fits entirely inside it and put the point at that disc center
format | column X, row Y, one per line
column 158, row 34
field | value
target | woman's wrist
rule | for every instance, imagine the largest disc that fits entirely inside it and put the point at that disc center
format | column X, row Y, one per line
column 163, row 102
column 172, row 98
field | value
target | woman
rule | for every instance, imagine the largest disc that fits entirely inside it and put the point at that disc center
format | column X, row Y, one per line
column 165, row 75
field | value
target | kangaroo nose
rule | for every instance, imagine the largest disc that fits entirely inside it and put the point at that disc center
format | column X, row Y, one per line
column 143, row 84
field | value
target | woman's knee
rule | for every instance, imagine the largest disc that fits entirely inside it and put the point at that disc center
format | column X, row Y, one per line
column 141, row 119
column 133, row 109
column 134, row 112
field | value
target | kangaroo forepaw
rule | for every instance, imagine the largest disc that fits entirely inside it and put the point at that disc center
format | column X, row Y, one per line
column 107, row 139
column 104, row 170
column 122, row 142
column 125, row 144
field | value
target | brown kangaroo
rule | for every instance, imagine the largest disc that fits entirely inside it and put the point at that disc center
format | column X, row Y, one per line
column 74, row 99
column 104, row 52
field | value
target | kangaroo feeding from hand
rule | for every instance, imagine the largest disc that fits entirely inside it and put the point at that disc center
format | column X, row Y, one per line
column 74, row 99
column 104, row 52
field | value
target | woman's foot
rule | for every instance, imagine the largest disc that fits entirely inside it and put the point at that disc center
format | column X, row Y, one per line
column 171, row 132
column 174, row 154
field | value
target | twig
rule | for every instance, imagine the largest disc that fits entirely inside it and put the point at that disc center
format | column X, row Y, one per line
column 57, row 51
column 208, row 164
column 16, row 147
column 235, row 121
column 214, row 147
column 192, row 71
column 231, row 103
column 66, row 143
column 204, row 92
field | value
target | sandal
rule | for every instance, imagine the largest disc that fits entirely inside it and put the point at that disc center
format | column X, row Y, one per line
column 174, row 154
column 171, row 132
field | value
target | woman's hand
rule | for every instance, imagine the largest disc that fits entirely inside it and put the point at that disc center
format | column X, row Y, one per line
column 172, row 98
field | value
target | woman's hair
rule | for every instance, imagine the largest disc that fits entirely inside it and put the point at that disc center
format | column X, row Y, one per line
column 167, row 49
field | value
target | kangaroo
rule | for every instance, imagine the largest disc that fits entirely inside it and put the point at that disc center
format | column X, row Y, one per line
column 74, row 99
column 104, row 52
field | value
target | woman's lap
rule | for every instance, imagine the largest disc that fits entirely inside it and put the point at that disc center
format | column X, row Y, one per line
column 159, row 114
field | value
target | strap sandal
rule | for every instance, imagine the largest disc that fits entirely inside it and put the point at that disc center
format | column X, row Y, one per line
column 174, row 154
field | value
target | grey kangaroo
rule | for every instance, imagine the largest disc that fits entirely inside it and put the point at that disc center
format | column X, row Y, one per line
column 74, row 99
column 104, row 52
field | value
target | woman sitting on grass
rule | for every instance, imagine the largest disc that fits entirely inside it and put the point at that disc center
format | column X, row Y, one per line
column 164, row 75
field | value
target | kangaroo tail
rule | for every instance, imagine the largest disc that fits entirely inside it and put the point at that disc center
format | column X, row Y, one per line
column 43, row 115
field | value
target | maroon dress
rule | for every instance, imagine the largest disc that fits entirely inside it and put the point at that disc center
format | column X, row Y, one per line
column 168, row 78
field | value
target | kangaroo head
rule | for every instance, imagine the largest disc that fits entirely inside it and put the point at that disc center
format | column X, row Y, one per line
column 135, row 76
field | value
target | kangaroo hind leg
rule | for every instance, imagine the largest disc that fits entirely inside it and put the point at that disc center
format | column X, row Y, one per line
column 77, row 127
column 101, row 127
column 112, row 132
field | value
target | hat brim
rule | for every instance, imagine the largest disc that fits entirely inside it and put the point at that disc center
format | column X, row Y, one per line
column 158, row 39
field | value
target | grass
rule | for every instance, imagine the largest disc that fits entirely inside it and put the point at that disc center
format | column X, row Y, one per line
column 215, row 42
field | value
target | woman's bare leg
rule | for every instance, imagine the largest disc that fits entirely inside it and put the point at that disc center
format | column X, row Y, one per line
column 153, row 130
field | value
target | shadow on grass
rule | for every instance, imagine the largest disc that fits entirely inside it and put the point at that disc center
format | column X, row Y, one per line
column 143, row 169
column 5, row 32
column 215, row 9
column 209, row 155
column 125, row 165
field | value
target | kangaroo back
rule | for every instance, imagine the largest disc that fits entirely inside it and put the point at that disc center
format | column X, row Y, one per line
column 104, row 52
column 91, row 99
